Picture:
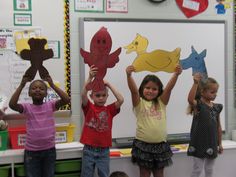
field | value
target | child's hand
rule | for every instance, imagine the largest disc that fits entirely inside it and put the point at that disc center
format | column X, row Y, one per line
column 129, row 70
column 197, row 77
column 178, row 69
column 220, row 149
column 93, row 71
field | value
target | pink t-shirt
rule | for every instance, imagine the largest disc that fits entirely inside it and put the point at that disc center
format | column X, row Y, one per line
column 40, row 126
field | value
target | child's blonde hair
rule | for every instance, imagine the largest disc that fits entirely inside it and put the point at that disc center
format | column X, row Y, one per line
column 202, row 86
column 118, row 174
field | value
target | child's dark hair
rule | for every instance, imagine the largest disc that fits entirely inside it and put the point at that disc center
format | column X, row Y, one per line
column 118, row 174
column 152, row 78
column 202, row 86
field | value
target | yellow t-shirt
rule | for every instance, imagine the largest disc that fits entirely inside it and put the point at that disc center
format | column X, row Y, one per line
column 151, row 121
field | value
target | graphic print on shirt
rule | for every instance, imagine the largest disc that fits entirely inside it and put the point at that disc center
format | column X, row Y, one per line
column 99, row 122
column 153, row 112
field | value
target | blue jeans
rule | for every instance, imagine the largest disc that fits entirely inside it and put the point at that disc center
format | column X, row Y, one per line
column 95, row 157
column 40, row 163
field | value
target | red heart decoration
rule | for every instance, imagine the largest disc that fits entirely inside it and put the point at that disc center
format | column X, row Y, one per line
column 191, row 8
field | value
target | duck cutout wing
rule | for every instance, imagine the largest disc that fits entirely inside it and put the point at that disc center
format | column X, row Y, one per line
column 157, row 60
column 195, row 61
column 100, row 57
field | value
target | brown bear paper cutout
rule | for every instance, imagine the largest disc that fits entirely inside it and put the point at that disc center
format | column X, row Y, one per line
column 36, row 54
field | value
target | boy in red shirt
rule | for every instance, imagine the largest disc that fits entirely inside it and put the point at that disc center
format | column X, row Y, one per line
column 96, row 135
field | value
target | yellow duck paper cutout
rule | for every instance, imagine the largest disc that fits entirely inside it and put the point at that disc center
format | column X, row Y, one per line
column 157, row 60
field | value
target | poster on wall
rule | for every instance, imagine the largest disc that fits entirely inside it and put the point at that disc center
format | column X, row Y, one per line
column 118, row 6
column 6, row 39
column 60, row 37
column 22, row 5
column 22, row 19
column 89, row 6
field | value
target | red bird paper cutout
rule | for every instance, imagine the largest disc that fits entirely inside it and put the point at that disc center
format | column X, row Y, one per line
column 100, row 57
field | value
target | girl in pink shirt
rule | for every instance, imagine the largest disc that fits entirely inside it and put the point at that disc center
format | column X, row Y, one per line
column 40, row 153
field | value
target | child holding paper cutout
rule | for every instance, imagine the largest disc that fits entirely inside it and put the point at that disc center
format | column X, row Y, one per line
column 40, row 152
column 206, row 129
column 150, row 148
column 96, row 135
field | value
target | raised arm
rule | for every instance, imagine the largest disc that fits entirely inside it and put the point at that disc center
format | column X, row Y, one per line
column 193, row 90
column 92, row 73
column 13, row 103
column 165, row 96
column 132, row 86
column 64, row 97
column 119, row 97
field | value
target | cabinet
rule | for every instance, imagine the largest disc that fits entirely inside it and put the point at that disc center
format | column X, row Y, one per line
column 13, row 158
column 182, row 164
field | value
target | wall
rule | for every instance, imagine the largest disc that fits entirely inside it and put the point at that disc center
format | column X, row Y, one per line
column 166, row 10
column 52, row 31
column 136, row 9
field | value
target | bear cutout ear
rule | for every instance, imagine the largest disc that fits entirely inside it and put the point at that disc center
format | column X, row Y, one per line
column 31, row 43
column 44, row 42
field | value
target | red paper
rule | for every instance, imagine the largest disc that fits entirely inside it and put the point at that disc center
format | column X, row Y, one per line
column 191, row 8
column 99, row 55
column 115, row 154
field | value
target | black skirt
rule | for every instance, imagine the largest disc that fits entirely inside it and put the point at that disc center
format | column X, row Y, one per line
column 151, row 155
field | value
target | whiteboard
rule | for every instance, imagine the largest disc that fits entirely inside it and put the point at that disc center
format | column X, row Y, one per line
column 166, row 35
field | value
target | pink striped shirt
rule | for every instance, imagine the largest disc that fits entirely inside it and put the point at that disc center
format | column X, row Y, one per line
column 40, row 126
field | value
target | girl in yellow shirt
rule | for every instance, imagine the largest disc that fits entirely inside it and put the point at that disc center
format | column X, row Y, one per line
column 150, row 150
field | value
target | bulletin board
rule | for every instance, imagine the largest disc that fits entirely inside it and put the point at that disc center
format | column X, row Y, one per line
column 166, row 35
column 12, row 67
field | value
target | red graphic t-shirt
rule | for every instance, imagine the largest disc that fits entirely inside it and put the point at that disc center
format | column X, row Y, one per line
column 98, row 124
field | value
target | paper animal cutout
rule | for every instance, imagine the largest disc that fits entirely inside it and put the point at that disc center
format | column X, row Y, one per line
column 99, row 55
column 157, row 60
column 191, row 8
column 22, row 37
column 196, row 62
column 36, row 54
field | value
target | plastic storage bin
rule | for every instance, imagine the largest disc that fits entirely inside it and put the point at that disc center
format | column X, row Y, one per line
column 4, row 170
column 3, row 140
column 19, row 170
column 63, row 168
column 69, row 166
column 17, row 137
column 64, row 133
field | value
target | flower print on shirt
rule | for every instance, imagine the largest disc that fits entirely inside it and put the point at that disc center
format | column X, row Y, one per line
column 99, row 122
column 153, row 112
